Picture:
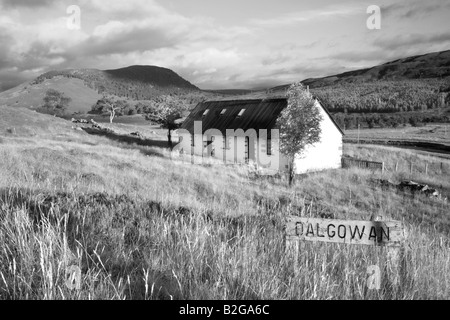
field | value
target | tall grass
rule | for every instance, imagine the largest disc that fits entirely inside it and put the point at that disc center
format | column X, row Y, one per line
column 142, row 226
column 403, row 164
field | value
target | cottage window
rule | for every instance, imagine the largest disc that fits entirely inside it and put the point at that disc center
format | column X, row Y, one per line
column 269, row 147
column 206, row 112
column 223, row 112
column 241, row 113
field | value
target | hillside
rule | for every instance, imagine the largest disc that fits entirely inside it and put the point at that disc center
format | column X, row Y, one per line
column 31, row 95
column 22, row 122
column 152, row 75
column 432, row 65
column 86, row 86
column 417, row 83
column 135, row 82
column 411, row 90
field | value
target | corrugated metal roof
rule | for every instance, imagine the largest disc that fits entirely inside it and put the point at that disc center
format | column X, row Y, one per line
column 258, row 114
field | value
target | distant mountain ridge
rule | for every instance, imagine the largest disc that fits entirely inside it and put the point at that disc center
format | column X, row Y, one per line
column 413, row 84
column 425, row 66
column 152, row 74
column 409, row 90
column 86, row 86
column 134, row 82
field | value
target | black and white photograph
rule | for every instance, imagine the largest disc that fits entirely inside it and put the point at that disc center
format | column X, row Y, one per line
column 235, row 157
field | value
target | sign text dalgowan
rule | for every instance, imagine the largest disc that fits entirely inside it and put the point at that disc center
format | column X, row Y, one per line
column 381, row 233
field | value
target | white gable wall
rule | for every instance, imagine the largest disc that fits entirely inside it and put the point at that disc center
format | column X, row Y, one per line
column 325, row 154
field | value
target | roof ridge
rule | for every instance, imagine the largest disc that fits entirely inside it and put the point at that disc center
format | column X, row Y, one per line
column 244, row 100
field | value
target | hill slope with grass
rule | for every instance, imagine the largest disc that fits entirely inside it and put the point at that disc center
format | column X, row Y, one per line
column 141, row 224
column 86, row 86
column 431, row 65
column 32, row 95
column 434, row 65
column 23, row 122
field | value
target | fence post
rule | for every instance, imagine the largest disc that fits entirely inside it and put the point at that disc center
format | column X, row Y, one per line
column 382, row 167
column 426, row 168
column 396, row 166
column 393, row 260
column 293, row 247
column 393, row 264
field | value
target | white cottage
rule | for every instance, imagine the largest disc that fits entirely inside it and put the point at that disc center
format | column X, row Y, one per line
column 243, row 131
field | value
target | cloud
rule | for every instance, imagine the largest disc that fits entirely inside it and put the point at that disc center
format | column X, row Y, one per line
column 112, row 35
column 308, row 15
column 384, row 49
column 5, row 41
column 197, row 63
column 118, row 37
column 9, row 78
column 215, row 51
column 291, row 52
column 25, row 3
column 414, row 39
column 413, row 9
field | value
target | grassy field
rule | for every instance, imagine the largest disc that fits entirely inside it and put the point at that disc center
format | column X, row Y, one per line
column 141, row 225
column 425, row 166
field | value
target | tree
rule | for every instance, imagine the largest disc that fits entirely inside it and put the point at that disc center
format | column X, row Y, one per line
column 99, row 106
column 413, row 121
column 299, row 125
column 107, row 105
column 168, row 113
column 112, row 111
column 55, row 102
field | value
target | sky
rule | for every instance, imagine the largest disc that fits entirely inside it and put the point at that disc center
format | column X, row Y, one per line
column 214, row 44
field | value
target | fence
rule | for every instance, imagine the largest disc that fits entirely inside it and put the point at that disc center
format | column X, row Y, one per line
column 419, row 167
column 411, row 167
column 353, row 162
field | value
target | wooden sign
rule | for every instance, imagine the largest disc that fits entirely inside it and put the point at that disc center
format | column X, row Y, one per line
column 377, row 233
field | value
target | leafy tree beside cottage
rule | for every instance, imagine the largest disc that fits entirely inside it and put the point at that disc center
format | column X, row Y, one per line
column 299, row 125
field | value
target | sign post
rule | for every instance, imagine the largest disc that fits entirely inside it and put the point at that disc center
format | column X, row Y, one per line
column 388, row 234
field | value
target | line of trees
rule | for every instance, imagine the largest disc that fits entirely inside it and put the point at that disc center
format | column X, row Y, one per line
column 386, row 96
column 387, row 120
